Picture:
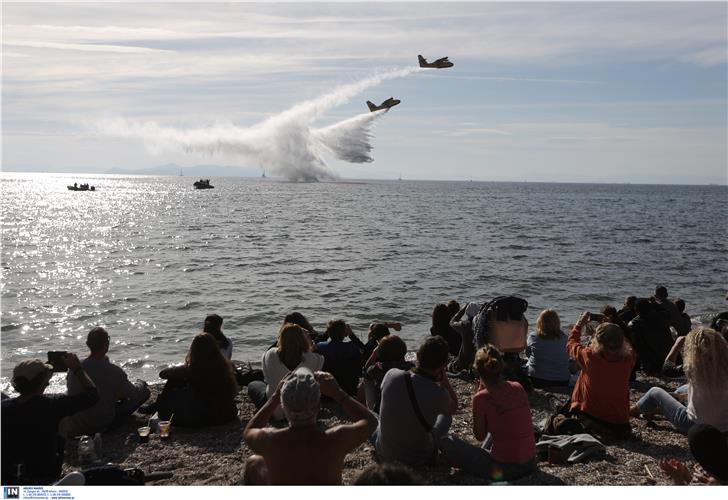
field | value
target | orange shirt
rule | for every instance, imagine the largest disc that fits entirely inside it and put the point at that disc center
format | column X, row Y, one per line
column 602, row 389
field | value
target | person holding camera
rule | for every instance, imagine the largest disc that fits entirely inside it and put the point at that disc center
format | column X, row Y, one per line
column 601, row 395
column 344, row 360
column 32, row 449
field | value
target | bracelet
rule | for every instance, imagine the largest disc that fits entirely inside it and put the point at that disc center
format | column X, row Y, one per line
column 77, row 370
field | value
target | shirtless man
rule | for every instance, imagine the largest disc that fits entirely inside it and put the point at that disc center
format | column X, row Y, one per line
column 303, row 453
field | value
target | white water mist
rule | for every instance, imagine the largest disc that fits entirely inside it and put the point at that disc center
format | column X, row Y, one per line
column 285, row 144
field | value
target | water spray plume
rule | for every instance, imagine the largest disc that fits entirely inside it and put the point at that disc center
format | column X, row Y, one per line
column 284, row 144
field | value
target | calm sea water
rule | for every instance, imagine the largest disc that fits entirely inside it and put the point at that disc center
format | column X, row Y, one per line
column 149, row 257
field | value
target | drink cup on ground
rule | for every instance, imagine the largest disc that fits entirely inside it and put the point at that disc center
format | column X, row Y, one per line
column 144, row 434
column 163, row 429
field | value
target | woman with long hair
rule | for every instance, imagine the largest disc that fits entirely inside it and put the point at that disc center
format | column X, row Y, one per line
column 705, row 361
column 548, row 361
column 202, row 391
column 601, row 394
column 501, row 419
column 293, row 349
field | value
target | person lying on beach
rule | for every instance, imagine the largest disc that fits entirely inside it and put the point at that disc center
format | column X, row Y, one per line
column 416, row 407
column 601, row 395
column 32, row 449
column 502, row 420
column 344, row 360
column 302, row 453
column 293, row 350
column 119, row 398
column 213, row 326
column 202, row 391
column 705, row 362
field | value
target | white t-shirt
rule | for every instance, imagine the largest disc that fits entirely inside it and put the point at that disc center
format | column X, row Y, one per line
column 709, row 407
column 274, row 370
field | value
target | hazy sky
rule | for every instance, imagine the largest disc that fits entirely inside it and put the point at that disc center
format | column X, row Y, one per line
column 614, row 92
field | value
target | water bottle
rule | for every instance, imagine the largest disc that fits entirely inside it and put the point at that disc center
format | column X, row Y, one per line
column 97, row 445
column 86, row 451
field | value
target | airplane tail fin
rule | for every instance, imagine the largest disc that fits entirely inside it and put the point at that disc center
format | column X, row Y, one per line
column 372, row 106
column 421, row 60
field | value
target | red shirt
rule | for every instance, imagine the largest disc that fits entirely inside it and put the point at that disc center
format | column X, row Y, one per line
column 508, row 418
column 602, row 389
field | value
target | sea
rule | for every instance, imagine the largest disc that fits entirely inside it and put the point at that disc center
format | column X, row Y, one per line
column 150, row 257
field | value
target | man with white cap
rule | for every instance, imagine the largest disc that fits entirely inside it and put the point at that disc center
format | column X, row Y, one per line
column 303, row 453
column 32, row 450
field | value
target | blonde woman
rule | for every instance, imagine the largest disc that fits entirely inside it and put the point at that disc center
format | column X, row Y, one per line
column 294, row 349
column 705, row 361
column 548, row 361
column 601, row 393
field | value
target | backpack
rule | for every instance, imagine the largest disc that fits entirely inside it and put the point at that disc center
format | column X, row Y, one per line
column 245, row 374
column 500, row 322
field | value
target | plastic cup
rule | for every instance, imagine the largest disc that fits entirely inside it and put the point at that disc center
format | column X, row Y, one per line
column 163, row 429
column 144, row 434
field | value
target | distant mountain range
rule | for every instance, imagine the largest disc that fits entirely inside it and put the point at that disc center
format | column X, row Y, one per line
column 194, row 171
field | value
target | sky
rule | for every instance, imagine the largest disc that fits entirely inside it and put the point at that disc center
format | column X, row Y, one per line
column 562, row 92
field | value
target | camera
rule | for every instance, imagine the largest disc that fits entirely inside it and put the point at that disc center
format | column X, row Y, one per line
column 56, row 358
column 596, row 317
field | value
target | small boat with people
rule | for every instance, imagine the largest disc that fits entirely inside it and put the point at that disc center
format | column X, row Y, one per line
column 82, row 187
column 203, row 184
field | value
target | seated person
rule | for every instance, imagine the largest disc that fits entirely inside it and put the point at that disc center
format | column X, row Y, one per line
column 377, row 331
column 669, row 311
column 118, row 398
column 548, row 361
column 441, row 326
column 672, row 366
column 628, row 312
column 502, row 420
column 651, row 337
column 32, row 450
column 416, row 407
column 293, row 350
column 303, row 453
column 709, row 446
column 601, row 394
column 686, row 321
column 706, row 366
column 213, row 326
column 389, row 354
column 388, row 475
column 201, row 391
column 344, row 360
column 462, row 323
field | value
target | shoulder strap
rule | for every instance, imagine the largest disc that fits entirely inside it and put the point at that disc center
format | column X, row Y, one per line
column 413, row 400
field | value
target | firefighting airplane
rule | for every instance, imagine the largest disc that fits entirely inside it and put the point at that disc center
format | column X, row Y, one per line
column 443, row 62
column 388, row 103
